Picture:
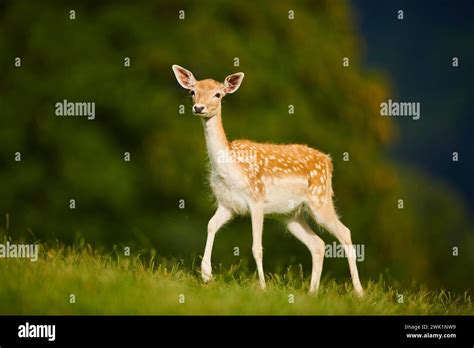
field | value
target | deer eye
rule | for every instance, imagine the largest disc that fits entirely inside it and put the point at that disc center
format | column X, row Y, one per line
column 217, row 95
column 192, row 93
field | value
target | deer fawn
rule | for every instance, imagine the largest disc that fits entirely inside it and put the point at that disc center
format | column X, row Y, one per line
column 259, row 179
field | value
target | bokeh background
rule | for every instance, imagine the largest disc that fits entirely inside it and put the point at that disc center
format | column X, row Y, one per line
column 297, row 62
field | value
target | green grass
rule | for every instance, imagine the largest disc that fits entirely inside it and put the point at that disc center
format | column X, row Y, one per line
column 109, row 284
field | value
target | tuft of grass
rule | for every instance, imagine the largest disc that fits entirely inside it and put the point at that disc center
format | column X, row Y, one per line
column 112, row 284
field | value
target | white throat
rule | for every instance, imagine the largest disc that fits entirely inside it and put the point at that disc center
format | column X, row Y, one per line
column 216, row 140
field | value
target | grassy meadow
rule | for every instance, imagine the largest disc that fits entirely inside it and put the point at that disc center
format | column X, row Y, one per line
column 106, row 283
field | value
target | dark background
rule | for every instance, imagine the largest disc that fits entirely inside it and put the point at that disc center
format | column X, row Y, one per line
column 417, row 56
column 297, row 62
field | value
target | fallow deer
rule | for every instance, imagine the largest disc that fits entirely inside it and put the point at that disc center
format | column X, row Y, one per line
column 258, row 179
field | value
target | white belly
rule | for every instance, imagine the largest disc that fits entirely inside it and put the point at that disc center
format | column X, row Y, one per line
column 282, row 196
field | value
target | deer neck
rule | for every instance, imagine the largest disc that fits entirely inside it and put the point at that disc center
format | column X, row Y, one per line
column 216, row 140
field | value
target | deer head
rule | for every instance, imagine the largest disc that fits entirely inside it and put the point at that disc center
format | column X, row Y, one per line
column 207, row 94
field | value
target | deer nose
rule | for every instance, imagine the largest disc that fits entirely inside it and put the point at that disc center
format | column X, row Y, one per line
column 198, row 108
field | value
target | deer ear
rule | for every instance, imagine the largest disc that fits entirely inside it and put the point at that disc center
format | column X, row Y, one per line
column 232, row 82
column 184, row 77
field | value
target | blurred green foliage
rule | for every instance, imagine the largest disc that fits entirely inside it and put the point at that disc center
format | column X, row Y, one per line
column 136, row 203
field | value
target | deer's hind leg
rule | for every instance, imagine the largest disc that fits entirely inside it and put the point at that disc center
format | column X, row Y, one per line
column 321, row 205
column 300, row 229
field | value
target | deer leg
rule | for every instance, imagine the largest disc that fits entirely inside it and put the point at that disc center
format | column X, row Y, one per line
column 257, row 249
column 298, row 227
column 221, row 216
column 326, row 216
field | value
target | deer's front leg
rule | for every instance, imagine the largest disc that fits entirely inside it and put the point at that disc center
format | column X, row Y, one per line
column 221, row 216
column 257, row 232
